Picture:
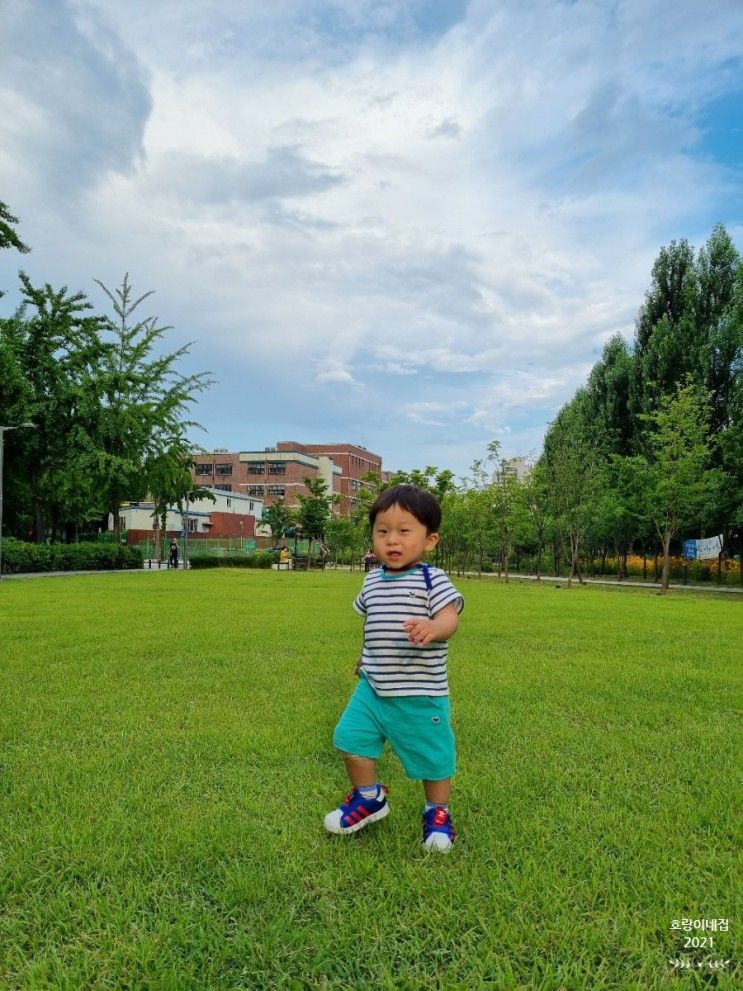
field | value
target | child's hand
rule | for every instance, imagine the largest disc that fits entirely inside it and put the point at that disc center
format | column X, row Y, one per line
column 419, row 631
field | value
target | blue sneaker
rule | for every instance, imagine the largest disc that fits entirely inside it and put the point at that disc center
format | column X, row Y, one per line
column 357, row 812
column 438, row 831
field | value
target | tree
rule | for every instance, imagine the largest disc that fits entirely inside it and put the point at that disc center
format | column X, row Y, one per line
column 8, row 237
column 170, row 484
column 676, row 480
column 278, row 518
column 314, row 510
column 141, row 400
column 56, row 346
column 505, row 495
column 608, row 398
column 535, row 504
column 571, row 467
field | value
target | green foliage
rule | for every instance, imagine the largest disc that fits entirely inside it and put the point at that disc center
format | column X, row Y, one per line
column 278, row 518
column 8, row 236
column 109, row 411
column 21, row 558
column 313, row 513
column 142, row 400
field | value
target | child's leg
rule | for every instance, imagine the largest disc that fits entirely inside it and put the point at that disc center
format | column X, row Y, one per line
column 362, row 771
column 438, row 792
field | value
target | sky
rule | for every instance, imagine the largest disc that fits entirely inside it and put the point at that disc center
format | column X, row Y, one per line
column 410, row 226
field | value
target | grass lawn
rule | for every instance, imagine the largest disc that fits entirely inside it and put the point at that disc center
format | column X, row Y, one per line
column 166, row 762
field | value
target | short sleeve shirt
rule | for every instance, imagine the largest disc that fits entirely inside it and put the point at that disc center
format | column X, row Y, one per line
column 390, row 662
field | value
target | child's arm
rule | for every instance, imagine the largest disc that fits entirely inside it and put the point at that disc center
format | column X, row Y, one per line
column 441, row 628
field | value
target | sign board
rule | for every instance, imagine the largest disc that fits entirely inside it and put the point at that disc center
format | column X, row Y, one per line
column 709, row 548
column 703, row 550
column 249, row 545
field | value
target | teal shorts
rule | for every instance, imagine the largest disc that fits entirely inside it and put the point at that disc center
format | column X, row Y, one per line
column 417, row 727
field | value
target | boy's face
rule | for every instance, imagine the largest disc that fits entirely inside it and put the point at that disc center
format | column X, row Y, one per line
column 400, row 540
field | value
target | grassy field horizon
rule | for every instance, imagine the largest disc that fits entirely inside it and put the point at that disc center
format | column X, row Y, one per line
column 166, row 762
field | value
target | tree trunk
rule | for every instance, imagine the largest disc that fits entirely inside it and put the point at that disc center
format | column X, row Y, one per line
column 573, row 557
column 666, row 561
column 603, row 559
column 644, row 565
column 539, row 561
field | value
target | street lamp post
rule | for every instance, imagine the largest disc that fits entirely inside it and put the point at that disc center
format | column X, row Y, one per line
column 3, row 430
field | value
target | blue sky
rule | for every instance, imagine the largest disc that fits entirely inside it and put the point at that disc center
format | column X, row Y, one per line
column 408, row 225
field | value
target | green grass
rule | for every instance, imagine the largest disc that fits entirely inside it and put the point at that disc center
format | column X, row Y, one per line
column 166, row 761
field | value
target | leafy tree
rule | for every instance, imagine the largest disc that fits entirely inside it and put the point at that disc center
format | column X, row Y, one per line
column 278, row 518
column 505, row 494
column 342, row 535
column 8, row 236
column 314, row 510
column 571, row 467
column 141, row 401
column 535, row 503
column 56, row 346
column 609, row 400
column 675, row 478
column 171, row 484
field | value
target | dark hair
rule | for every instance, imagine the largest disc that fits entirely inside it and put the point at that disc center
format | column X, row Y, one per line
column 413, row 500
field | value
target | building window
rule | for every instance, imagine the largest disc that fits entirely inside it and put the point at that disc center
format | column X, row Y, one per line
column 224, row 469
column 193, row 525
column 122, row 523
column 224, row 488
column 252, row 505
column 275, row 490
column 203, row 469
column 255, row 490
column 277, row 468
column 229, row 501
column 256, row 468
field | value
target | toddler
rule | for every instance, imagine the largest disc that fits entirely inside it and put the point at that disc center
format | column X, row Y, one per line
column 410, row 611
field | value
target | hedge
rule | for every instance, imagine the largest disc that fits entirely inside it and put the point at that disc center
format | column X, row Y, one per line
column 259, row 559
column 20, row 557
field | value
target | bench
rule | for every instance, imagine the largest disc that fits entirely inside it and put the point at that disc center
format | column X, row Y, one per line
column 301, row 562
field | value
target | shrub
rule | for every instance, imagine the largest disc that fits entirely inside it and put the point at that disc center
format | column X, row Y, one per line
column 20, row 557
column 258, row 559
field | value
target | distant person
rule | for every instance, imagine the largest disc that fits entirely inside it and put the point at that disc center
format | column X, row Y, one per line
column 285, row 558
column 411, row 611
column 368, row 559
column 173, row 554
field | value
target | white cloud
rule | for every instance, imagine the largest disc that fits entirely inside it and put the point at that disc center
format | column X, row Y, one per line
column 330, row 192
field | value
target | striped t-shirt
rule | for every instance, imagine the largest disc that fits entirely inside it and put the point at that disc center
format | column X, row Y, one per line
column 390, row 662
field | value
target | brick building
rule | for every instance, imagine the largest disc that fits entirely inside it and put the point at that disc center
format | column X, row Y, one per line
column 354, row 462
column 279, row 472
